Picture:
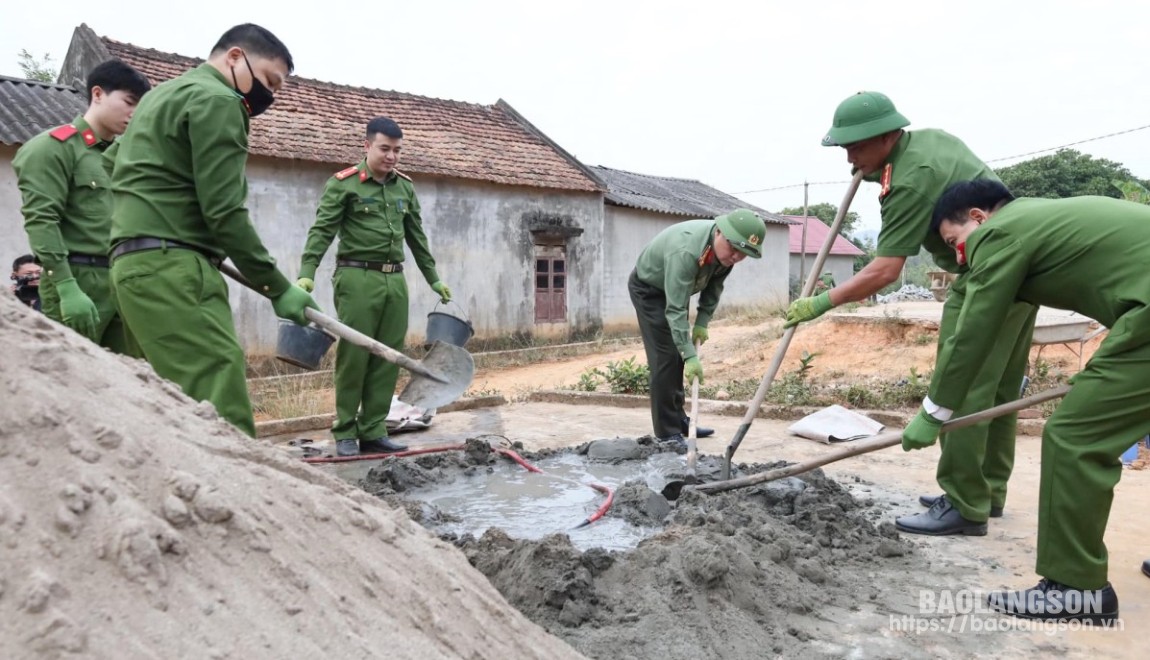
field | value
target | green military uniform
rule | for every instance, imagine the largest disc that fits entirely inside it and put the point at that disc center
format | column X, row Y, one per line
column 678, row 263
column 976, row 461
column 180, row 177
column 68, row 217
column 1085, row 254
column 373, row 219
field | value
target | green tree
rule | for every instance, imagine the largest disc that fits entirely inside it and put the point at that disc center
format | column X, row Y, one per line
column 1065, row 173
column 35, row 69
column 1132, row 191
column 826, row 212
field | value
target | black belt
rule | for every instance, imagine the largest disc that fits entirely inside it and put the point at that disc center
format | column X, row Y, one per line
column 370, row 265
column 88, row 260
column 146, row 243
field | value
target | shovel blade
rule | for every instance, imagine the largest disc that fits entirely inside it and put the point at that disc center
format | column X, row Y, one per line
column 454, row 364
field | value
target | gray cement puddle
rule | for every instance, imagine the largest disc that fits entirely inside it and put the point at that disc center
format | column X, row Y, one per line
column 528, row 505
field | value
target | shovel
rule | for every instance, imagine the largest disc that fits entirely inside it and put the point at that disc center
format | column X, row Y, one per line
column 673, row 488
column 878, row 442
column 442, row 376
column 785, row 342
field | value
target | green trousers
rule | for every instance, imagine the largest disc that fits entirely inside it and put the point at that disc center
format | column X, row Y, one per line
column 663, row 357
column 175, row 306
column 96, row 282
column 375, row 304
column 976, row 461
column 1106, row 411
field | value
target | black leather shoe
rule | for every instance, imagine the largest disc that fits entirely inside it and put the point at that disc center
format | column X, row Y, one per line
column 1146, row 568
column 928, row 501
column 382, row 445
column 1052, row 601
column 700, row 431
column 348, row 447
column 939, row 520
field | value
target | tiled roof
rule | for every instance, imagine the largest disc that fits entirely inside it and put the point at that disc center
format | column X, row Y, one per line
column 816, row 235
column 686, row 197
column 323, row 122
column 28, row 107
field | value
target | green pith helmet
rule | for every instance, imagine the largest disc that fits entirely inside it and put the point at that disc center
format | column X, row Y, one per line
column 864, row 115
column 744, row 230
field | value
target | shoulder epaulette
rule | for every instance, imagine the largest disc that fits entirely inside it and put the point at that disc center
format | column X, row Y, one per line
column 343, row 174
column 401, row 174
column 64, row 132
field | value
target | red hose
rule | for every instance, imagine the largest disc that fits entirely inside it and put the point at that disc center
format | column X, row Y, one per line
column 518, row 459
column 599, row 513
column 602, row 510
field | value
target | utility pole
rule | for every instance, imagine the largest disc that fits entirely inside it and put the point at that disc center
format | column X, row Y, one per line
column 803, row 245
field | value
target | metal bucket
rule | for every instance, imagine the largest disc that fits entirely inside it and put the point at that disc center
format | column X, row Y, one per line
column 302, row 346
column 447, row 328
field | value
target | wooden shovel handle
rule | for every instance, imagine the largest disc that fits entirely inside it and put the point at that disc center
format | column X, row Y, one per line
column 880, row 442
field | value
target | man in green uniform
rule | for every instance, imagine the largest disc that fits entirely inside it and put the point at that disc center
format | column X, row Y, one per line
column 26, row 280
column 68, row 205
column 914, row 168
column 1085, row 254
column 180, row 193
column 686, row 258
column 373, row 208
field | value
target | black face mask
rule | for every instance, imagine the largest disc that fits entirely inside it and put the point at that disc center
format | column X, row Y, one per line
column 259, row 98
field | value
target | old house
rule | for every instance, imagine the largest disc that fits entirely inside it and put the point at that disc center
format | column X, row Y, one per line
column 840, row 262
column 530, row 239
column 639, row 206
column 27, row 107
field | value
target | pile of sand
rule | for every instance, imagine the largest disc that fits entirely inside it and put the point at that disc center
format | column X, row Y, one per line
column 135, row 523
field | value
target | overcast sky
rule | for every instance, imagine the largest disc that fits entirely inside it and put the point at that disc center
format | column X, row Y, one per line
column 734, row 94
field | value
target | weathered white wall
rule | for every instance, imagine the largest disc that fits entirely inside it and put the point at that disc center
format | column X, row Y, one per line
column 840, row 266
column 752, row 282
column 12, row 235
column 479, row 236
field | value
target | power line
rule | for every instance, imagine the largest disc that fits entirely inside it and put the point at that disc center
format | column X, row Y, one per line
column 992, row 160
column 1070, row 144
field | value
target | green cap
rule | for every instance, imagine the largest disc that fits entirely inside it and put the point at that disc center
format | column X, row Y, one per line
column 862, row 116
column 744, row 229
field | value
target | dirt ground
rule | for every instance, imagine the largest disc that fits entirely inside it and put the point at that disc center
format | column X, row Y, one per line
column 134, row 523
column 886, row 348
column 884, row 484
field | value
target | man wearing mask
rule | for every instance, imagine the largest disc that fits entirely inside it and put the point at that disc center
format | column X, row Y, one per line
column 1085, row 254
column 180, row 208
column 914, row 168
column 67, row 205
column 373, row 208
column 26, row 280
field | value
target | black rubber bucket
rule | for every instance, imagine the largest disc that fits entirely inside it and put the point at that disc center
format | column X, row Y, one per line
column 302, row 346
column 447, row 328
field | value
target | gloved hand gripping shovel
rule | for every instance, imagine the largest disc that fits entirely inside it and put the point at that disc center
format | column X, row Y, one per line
column 442, row 376
column 785, row 342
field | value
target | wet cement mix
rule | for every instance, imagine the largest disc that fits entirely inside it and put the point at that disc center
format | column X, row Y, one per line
column 791, row 568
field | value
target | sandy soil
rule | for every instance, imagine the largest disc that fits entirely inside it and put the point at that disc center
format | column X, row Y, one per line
column 134, row 523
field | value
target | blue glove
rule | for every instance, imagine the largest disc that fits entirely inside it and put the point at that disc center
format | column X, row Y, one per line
column 922, row 432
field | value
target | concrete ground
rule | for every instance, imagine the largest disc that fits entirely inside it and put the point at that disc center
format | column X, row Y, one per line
column 893, row 480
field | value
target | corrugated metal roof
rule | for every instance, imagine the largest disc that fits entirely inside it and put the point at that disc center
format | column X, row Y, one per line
column 685, row 197
column 28, row 107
